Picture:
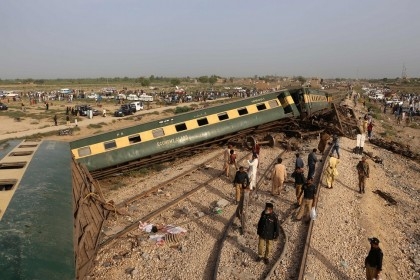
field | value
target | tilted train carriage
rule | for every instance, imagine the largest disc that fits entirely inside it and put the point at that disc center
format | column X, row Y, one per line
column 51, row 214
column 132, row 143
column 36, row 211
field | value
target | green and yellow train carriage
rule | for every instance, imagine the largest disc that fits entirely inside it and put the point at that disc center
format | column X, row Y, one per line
column 133, row 143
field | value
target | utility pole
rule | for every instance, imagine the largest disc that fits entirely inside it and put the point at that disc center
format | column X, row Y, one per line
column 404, row 73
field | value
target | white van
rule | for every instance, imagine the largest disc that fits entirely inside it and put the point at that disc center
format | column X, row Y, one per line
column 138, row 105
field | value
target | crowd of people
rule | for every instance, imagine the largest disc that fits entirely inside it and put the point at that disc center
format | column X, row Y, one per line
column 244, row 180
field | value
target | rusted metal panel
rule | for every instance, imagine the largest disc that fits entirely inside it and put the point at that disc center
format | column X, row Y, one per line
column 89, row 214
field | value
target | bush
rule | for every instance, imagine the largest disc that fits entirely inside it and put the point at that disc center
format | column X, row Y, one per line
column 184, row 109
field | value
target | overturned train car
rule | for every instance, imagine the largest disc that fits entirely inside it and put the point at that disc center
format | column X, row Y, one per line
column 128, row 144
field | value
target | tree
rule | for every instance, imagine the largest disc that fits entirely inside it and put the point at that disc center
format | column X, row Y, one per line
column 175, row 81
column 145, row 82
column 203, row 79
column 301, row 79
column 213, row 80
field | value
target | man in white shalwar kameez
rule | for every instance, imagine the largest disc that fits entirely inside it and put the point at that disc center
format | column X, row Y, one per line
column 252, row 171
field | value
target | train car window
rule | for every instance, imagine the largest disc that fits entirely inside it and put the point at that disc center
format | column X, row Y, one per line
column 181, row 127
column 261, row 107
column 7, row 185
column 85, row 151
column 223, row 116
column 242, row 111
column 110, row 145
column 20, row 154
column 12, row 165
column 202, row 122
column 134, row 139
column 273, row 103
column 28, row 146
column 158, row 132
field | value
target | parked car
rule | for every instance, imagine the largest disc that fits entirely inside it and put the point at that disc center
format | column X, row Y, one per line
column 394, row 101
column 377, row 96
column 92, row 96
column 83, row 110
column 132, row 97
column 3, row 106
column 144, row 97
column 124, row 110
column 121, row 97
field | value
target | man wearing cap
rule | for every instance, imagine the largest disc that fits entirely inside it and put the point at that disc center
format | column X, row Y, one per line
column 268, row 230
column 373, row 261
column 252, row 171
column 309, row 192
column 363, row 171
column 241, row 181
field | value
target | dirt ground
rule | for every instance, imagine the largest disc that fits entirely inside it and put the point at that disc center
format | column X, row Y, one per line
column 35, row 120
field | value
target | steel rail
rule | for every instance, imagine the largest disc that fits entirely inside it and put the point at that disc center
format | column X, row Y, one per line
column 318, row 181
column 221, row 241
column 160, row 210
column 165, row 183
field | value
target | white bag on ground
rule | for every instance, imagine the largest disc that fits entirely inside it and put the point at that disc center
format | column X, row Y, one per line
column 312, row 213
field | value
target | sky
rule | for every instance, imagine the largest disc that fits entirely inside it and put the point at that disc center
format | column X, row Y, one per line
column 49, row 39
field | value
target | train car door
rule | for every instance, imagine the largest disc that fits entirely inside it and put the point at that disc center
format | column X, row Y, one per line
column 299, row 99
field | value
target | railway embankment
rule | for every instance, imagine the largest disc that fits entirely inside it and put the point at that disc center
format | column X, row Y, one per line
column 345, row 218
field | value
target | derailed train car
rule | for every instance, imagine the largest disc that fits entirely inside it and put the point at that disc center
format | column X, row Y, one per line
column 36, row 211
column 136, row 142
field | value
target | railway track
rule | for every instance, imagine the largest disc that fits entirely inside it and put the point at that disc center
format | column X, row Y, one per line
column 293, row 242
column 176, row 187
column 237, row 253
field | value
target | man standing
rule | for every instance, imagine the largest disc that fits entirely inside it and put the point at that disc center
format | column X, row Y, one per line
column 309, row 192
column 252, row 171
column 299, row 181
column 233, row 167
column 336, row 146
column 242, row 192
column 369, row 130
column 55, row 120
column 278, row 177
column 299, row 162
column 324, row 137
column 363, row 171
column 268, row 230
column 241, row 181
column 226, row 156
column 312, row 160
column 331, row 171
column 373, row 261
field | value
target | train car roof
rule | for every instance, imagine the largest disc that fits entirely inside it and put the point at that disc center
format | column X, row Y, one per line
column 173, row 119
column 36, row 219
